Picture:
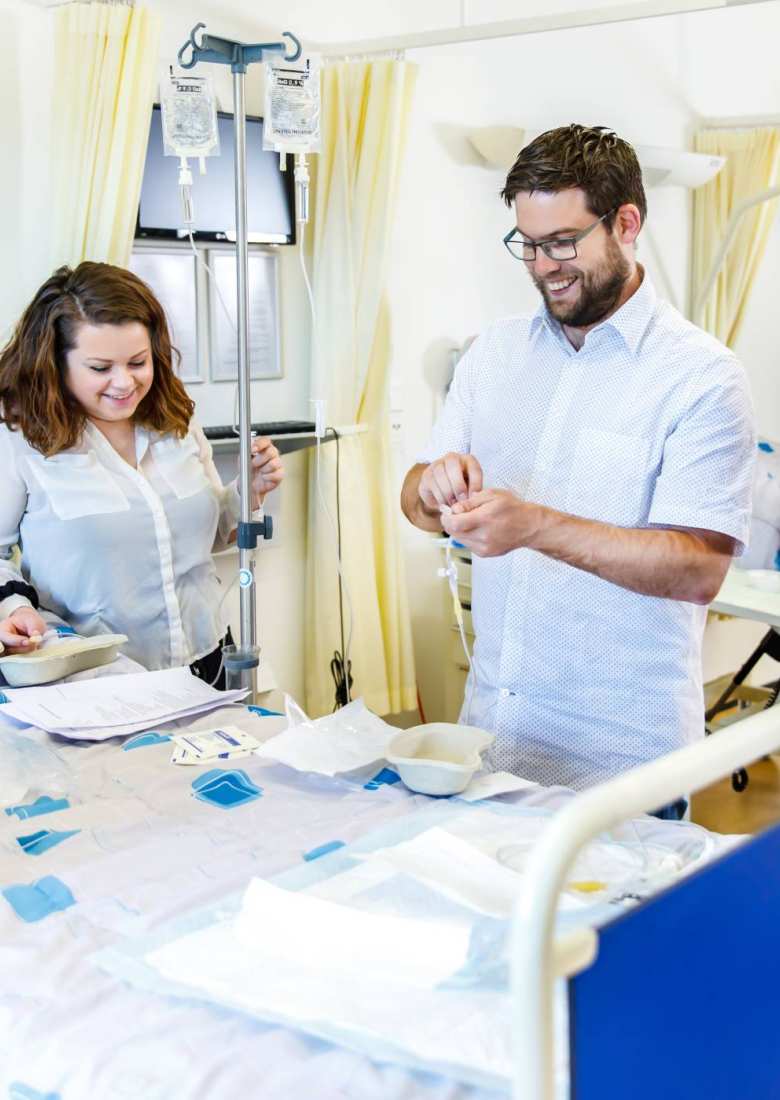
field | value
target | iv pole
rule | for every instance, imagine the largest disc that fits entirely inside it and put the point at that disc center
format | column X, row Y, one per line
column 241, row 666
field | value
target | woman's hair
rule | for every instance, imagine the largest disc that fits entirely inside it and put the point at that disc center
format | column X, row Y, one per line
column 592, row 158
column 33, row 395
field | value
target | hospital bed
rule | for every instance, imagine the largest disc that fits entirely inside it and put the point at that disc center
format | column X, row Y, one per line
column 113, row 843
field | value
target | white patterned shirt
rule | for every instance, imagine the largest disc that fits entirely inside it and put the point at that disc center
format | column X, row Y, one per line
column 648, row 424
column 112, row 549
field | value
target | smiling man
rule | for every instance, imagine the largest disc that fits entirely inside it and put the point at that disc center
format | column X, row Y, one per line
column 596, row 458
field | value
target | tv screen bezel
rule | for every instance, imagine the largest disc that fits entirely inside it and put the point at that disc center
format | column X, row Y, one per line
column 145, row 233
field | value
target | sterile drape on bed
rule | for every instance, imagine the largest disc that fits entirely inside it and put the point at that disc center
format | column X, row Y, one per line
column 753, row 166
column 365, row 115
column 104, row 86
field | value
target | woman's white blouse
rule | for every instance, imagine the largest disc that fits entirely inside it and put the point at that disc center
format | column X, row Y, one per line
column 110, row 548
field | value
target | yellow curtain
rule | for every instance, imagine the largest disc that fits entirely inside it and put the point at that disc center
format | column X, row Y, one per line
column 753, row 166
column 104, row 86
column 365, row 119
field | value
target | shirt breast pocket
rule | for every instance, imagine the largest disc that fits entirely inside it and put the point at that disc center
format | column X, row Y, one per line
column 178, row 462
column 76, row 485
column 611, row 479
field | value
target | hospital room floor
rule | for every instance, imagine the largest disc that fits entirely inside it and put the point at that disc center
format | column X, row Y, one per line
column 724, row 810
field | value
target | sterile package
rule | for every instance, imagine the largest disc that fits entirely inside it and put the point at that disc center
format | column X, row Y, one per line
column 219, row 743
column 350, row 738
column 25, row 764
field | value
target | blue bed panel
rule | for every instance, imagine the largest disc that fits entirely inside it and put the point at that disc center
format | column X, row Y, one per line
column 683, row 1000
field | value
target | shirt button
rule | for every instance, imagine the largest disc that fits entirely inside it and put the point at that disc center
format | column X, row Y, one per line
column 504, row 693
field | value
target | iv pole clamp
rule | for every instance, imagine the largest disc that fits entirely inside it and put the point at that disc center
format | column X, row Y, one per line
column 240, row 662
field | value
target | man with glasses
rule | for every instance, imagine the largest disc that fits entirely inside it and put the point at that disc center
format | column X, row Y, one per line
column 596, row 459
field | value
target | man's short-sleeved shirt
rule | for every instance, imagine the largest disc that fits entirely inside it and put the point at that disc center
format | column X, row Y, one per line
column 648, row 424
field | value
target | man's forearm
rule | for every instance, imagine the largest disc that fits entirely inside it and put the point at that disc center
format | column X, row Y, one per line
column 680, row 565
column 412, row 505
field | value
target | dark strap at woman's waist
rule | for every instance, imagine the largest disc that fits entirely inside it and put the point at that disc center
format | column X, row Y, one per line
column 209, row 668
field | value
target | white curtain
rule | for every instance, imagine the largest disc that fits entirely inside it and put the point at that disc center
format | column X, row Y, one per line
column 106, row 70
column 365, row 117
column 752, row 167
column 27, row 182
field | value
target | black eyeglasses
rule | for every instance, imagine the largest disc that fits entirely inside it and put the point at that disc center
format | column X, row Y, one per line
column 561, row 248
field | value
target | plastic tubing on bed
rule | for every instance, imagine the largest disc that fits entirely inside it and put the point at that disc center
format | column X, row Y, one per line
column 536, row 959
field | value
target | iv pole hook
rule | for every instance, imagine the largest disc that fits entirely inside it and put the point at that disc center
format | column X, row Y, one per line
column 296, row 43
column 194, row 46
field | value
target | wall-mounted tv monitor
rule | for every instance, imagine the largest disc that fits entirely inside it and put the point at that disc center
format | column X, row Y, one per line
column 270, row 196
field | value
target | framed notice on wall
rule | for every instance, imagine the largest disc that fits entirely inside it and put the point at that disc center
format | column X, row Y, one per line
column 171, row 275
column 264, row 358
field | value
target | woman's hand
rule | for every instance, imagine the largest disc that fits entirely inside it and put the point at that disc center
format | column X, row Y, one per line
column 267, row 469
column 22, row 630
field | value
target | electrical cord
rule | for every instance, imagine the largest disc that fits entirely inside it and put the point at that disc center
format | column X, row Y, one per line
column 213, row 282
column 343, row 658
column 338, row 530
column 342, row 678
column 340, row 665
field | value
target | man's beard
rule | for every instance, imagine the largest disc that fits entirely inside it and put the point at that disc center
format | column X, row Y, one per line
column 599, row 291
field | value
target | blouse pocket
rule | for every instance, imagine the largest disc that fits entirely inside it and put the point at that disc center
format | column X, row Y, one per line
column 179, row 464
column 611, row 479
column 76, row 485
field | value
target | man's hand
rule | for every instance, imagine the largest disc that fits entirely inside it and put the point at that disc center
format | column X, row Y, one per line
column 677, row 563
column 448, row 480
column 492, row 522
column 22, row 630
column 267, row 468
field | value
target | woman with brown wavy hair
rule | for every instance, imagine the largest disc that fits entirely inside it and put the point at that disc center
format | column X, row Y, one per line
column 108, row 485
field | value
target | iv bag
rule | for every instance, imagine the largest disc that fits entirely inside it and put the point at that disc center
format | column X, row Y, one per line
column 189, row 117
column 292, row 104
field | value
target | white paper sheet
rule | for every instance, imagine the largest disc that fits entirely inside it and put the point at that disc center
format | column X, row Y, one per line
column 461, row 1028
column 315, row 934
column 115, row 705
column 487, row 786
column 103, row 733
column 455, row 869
column 351, row 738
